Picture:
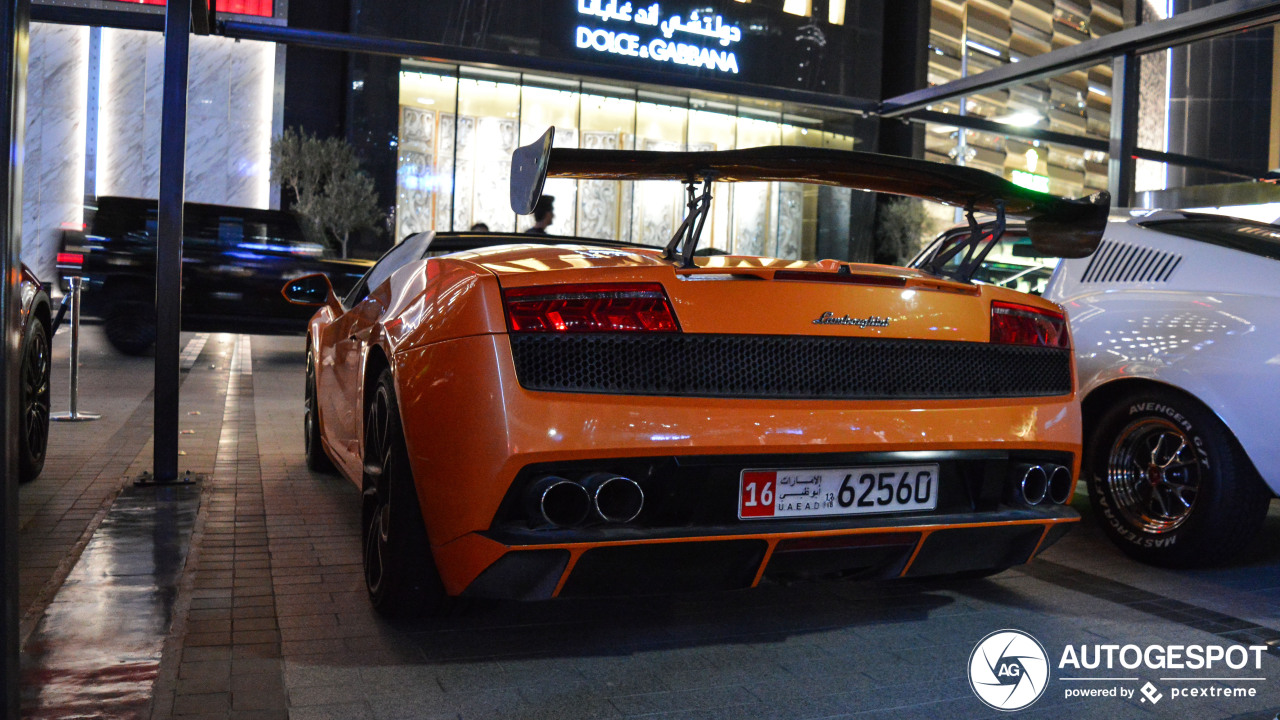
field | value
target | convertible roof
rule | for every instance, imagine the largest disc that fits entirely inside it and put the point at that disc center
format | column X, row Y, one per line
column 1054, row 219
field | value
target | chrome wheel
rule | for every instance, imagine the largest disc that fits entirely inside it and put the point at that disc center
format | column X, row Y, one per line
column 1153, row 473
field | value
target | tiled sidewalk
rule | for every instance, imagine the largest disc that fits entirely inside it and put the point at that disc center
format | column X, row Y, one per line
column 222, row 658
column 272, row 620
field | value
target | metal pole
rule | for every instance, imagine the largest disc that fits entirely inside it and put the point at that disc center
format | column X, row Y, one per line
column 173, row 140
column 74, row 285
column 14, row 20
column 1122, row 167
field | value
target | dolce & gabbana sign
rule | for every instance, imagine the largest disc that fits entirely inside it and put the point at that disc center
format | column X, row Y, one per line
column 701, row 39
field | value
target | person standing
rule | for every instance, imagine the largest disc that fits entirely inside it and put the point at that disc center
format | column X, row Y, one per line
column 543, row 213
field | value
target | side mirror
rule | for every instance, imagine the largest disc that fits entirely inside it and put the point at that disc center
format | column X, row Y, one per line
column 314, row 290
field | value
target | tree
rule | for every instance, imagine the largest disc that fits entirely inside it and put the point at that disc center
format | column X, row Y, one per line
column 903, row 225
column 331, row 193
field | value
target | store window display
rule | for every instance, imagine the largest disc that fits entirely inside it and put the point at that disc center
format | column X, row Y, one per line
column 459, row 126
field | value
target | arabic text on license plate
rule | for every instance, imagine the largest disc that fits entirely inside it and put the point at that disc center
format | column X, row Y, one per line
column 836, row 491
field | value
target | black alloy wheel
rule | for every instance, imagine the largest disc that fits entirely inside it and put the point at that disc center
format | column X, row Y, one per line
column 33, row 438
column 398, row 568
column 130, row 322
column 317, row 460
column 1170, row 483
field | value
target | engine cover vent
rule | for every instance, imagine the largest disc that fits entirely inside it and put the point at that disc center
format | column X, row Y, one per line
column 1121, row 262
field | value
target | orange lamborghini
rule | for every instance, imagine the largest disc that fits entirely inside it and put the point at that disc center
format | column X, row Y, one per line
column 533, row 418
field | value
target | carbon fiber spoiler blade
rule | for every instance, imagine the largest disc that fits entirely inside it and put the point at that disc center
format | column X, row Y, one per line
column 1058, row 226
column 529, row 172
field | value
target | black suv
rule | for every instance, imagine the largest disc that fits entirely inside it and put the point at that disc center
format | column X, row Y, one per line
column 234, row 262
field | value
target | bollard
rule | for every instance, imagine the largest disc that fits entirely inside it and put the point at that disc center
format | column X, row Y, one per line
column 73, row 414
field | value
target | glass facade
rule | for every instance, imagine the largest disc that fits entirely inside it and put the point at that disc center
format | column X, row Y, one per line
column 968, row 38
column 458, row 127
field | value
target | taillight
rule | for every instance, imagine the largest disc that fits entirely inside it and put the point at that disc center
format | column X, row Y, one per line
column 70, row 261
column 598, row 307
column 1013, row 324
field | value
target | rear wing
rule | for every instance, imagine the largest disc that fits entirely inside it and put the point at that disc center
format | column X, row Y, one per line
column 1057, row 226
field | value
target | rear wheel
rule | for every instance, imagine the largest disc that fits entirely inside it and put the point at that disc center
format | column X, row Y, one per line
column 1170, row 483
column 130, row 321
column 33, row 401
column 398, row 568
column 317, row 460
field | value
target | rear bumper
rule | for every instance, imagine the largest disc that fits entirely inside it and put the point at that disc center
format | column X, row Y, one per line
column 477, row 438
column 591, row 563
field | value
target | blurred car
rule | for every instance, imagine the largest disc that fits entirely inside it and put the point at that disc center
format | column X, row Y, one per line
column 1177, row 334
column 563, row 417
column 233, row 262
column 33, row 383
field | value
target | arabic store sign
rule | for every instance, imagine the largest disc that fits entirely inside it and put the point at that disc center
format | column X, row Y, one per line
column 701, row 40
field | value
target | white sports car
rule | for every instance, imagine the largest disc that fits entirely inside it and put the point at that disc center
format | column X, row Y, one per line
column 1176, row 326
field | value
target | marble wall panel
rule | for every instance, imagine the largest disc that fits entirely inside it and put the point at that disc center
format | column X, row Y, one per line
column 125, row 78
column 209, row 80
column 208, row 139
column 229, row 126
column 229, row 113
column 53, row 156
column 247, row 161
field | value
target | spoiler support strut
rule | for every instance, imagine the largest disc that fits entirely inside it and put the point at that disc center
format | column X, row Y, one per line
column 982, row 238
column 685, row 239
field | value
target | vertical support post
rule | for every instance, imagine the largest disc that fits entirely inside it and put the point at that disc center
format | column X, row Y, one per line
column 1122, row 166
column 74, row 285
column 173, row 148
column 15, row 18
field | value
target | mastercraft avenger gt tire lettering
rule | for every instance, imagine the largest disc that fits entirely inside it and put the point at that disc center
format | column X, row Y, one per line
column 1170, row 484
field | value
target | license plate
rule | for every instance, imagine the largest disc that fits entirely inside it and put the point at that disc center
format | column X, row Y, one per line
column 818, row 492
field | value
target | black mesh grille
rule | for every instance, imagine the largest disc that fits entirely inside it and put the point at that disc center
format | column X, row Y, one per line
column 769, row 366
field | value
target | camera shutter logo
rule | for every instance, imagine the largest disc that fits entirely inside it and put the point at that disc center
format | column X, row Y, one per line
column 1008, row 670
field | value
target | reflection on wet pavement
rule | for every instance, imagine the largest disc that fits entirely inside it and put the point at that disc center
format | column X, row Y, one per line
column 96, row 650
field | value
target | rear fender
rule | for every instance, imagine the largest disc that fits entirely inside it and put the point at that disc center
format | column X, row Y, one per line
column 440, row 299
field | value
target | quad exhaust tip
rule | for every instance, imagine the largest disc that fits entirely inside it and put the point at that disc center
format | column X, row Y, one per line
column 616, row 499
column 1034, row 484
column 1060, row 484
column 559, row 502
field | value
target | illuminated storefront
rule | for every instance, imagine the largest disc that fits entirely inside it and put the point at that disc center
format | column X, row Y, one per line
column 458, row 128
column 664, row 75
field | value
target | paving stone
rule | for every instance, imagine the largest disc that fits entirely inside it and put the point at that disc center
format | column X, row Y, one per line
column 278, row 568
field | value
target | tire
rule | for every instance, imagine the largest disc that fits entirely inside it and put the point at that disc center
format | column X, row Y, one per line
column 33, row 401
column 399, row 571
column 317, row 460
column 130, row 322
column 1170, row 484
